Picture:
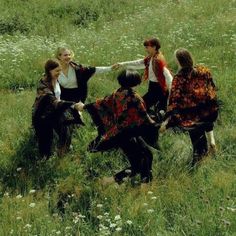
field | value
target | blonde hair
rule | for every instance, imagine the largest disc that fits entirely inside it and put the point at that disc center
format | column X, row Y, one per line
column 60, row 50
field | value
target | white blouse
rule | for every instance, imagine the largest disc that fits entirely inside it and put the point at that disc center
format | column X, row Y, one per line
column 139, row 64
column 57, row 91
column 70, row 81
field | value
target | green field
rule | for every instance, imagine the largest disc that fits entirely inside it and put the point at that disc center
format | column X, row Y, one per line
column 103, row 32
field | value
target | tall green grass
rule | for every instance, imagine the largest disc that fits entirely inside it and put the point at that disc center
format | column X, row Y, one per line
column 67, row 196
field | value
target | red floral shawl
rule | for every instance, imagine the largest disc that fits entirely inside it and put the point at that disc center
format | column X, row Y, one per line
column 193, row 98
column 123, row 112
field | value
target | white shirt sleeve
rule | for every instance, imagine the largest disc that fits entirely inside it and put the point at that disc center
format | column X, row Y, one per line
column 168, row 77
column 137, row 64
column 102, row 69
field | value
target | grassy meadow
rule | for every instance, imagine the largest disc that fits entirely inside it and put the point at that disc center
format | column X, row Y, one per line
column 66, row 196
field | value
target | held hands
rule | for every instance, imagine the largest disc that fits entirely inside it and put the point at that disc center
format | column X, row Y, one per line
column 163, row 126
column 116, row 66
column 79, row 106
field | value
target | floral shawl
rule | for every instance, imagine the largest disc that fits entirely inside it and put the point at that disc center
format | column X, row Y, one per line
column 120, row 115
column 46, row 105
column 193, row 98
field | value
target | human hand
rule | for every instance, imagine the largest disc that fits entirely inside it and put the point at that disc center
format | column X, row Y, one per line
column 115, row 66
column 79, row 106
column 162, row 128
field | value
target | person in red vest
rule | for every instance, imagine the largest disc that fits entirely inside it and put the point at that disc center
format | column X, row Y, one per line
column 156, row 72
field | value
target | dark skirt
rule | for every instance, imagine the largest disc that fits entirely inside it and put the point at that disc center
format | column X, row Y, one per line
column 70, row 94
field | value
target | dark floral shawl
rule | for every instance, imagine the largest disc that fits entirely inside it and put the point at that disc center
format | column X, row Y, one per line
column 193, row 98
column 120, row 115
column 46, row 105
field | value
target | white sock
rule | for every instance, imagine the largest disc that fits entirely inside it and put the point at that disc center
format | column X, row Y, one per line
column 211, row 138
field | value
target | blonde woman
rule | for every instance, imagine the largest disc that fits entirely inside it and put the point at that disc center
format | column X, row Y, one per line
column 74, row 77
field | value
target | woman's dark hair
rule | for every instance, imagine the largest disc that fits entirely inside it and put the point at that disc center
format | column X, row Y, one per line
column 50, row 65
column 153, row 42
column 129, row 78
column 184, row 58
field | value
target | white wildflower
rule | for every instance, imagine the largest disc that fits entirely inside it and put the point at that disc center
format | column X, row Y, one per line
column 32, row 191
column 32, row 204
column 28, row 226
column 232, row 209
column 117, row 217
column 118, row 229
column 81, row 216
column 129, row 222
column 150, row 210
column 99, row 217
column 112, row 225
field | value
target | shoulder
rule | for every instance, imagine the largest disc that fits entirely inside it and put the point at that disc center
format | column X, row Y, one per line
column 159, row 60
column 84, row 70
column 202, row 71
column 44, row 87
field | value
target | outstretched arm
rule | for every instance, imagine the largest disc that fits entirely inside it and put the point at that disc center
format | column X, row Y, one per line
column 137, row 64
column 102, row 69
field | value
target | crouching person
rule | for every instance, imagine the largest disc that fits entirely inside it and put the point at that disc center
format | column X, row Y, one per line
column 123, row 122
column 49, row 112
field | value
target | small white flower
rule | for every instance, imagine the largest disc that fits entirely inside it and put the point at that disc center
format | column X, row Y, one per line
column 118, row 229
column 76, row 220
column 28, row 226
column 145, row 204
column 150, row 210
column 18, row 218
column 112, row 225
column 150, row 192
column 99, row 205
column 32, row 191
column 129, row 222
column 154, row 198
column 106, row 214
column 68, row 228
column 232, row 209
column 99, row 217
column 58, row 232
column 81, row 216
column 32, row 204
column 117, row 217
column 19, row 196
column 18, row 169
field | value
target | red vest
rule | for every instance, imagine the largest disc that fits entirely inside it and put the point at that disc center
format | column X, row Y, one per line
column 158, row 67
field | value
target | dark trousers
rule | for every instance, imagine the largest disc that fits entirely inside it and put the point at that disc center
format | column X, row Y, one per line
column 155, row 97
column 199, row 143
column 140, row 159
column 44, row 130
